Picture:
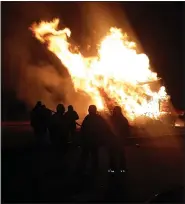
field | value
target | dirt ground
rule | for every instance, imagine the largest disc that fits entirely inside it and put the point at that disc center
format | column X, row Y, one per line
column 155, row 164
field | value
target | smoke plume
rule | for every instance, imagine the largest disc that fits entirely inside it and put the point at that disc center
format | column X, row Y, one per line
column 29, row 69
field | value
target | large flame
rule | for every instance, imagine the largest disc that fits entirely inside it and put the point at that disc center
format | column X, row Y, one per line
column 118, row 70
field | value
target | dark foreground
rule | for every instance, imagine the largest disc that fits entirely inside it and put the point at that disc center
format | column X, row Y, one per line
column 155, row 165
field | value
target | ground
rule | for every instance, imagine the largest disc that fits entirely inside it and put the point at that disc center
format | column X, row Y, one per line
column 155, row 164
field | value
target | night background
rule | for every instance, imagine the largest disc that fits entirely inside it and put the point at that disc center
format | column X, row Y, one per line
column 158, row 27
column 34, row 166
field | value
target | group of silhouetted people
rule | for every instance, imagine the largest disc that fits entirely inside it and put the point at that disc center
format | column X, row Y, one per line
column 95, row 132
column 60, row 125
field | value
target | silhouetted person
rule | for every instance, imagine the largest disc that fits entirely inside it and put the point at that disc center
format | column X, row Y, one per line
column 92, row 135
column 39, row 122
column 71, row 117
column 58, row 130
column 47, row 113
column 121, row 130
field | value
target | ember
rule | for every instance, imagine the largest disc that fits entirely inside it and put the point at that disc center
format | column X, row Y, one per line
column 117, row 75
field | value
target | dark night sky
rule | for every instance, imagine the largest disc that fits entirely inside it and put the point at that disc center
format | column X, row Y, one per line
column 157, row 25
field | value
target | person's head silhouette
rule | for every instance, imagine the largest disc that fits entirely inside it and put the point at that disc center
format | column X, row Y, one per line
column 39, row 103
column 92, row 110
column 117, row 110
column 70, row 108
column 60, row 108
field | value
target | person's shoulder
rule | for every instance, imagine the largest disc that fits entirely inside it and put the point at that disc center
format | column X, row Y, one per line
column 54, row 115
column 87, row 117
column 48, row 110
column 85, row 121
column 125, row 119
column 100, row 118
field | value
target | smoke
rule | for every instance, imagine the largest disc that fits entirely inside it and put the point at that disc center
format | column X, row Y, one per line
column 29, row 69
column 33, row 79
column 46, row 84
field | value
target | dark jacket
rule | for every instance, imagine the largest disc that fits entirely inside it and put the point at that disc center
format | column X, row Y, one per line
column 58, row 128
column 120, row 128
column 93, row 130
column 71, row 117
column 39, row 118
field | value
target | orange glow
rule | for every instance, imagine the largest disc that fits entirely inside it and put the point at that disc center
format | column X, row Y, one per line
column 118, row 70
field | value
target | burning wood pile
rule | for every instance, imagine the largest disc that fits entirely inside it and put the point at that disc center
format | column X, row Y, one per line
column 118, row 75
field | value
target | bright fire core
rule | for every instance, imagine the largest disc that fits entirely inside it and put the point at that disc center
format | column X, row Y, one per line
column 117, row 70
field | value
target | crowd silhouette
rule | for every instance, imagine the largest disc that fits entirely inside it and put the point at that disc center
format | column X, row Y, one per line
column 95, row 131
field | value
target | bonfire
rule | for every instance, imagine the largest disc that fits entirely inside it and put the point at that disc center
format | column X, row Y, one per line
column 118, row 75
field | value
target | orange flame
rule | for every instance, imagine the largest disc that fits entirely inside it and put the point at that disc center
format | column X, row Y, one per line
column 118, row 70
